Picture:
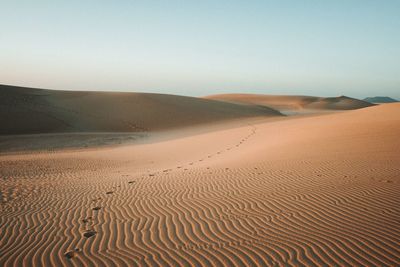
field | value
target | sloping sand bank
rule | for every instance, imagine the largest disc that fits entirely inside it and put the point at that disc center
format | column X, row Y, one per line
column 306, row 191
column 37, row 111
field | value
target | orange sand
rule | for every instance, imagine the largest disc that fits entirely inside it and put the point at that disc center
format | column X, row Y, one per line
column 306, row 191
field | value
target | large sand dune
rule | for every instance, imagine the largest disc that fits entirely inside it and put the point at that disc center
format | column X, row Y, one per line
column 287, row 103
column 32, row 111
column 306, row 191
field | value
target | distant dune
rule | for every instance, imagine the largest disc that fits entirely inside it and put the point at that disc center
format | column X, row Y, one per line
column 293, row 103
column 380, row 99
column 30, row 111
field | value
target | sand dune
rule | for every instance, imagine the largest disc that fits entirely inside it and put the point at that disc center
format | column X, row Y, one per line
column 380, row 99
column 306, row 191
column 32, row 111
column 294, row 103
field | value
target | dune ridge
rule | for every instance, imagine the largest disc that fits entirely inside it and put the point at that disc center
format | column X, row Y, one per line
column 294, row 103
column 310, row 191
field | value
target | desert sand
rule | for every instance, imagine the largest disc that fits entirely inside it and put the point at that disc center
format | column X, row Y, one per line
column 261, row 190
column 290, row 104
column 35, row 111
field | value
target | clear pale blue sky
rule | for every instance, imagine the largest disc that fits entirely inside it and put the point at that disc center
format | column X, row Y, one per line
column 203, row 47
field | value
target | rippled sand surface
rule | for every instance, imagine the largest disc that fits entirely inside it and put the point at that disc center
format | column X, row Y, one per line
column 306, row 191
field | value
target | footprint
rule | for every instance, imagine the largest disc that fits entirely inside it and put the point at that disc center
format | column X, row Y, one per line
column 72, row 253
column 109, row 192
column 96, row 208
column 87, row 219
column 131, row 182
column 89, row 233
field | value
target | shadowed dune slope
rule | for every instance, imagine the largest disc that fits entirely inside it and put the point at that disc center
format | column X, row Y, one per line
column 29, row 111
column 282, row 102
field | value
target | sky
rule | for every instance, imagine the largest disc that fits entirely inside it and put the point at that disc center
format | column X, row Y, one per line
column 196, row 48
